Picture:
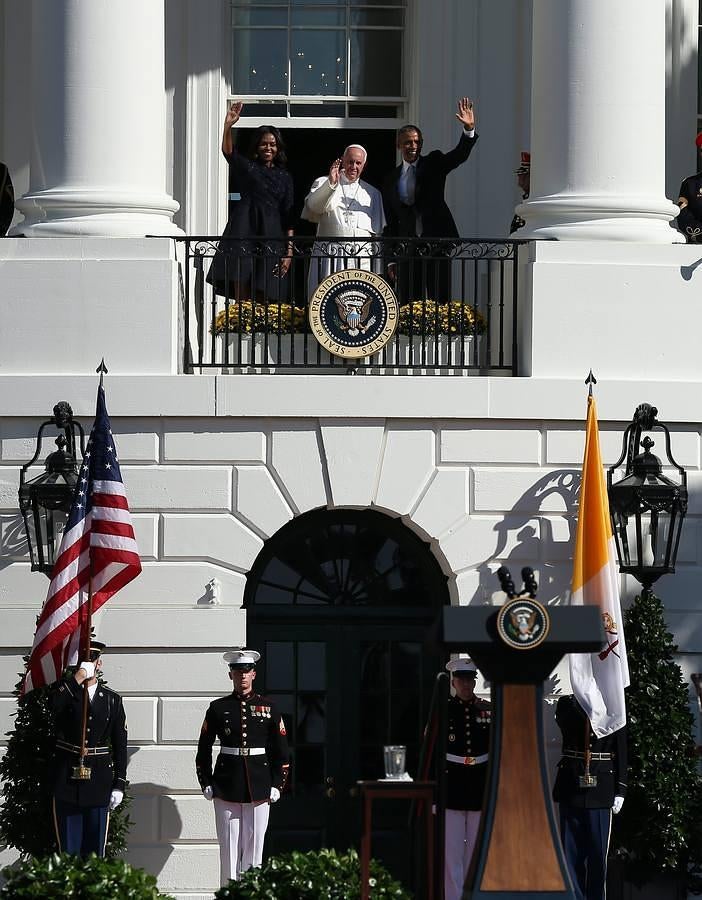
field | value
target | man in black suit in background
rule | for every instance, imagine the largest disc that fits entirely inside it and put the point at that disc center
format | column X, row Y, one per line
column 413, row 196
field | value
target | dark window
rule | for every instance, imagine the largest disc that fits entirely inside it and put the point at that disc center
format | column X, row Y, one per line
column 343, row 559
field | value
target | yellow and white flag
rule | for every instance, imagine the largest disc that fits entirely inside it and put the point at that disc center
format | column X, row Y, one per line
column 598, row 679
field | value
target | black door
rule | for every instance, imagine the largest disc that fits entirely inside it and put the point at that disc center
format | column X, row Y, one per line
column 341, row 606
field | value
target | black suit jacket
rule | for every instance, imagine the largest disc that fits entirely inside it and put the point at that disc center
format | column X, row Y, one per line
column 611, row 773
column 251, row 721
column 468, row 736
column 429, row 202
column 107, row 727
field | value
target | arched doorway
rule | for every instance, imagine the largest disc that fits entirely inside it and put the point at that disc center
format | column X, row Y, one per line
column 341, row 604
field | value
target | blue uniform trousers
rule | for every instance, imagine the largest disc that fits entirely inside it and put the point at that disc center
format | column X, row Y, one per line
column 80, row 829
column 585, row 838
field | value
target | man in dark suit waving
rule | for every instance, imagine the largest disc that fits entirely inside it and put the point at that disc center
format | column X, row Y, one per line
column 413, row 196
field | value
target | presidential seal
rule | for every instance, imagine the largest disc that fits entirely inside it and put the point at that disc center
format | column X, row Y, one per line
column 523, row 623
column 353, row 313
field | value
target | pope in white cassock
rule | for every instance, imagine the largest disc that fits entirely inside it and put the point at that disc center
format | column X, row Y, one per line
column 345, row 207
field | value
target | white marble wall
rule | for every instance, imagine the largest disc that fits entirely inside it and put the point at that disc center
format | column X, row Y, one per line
column 206, row 492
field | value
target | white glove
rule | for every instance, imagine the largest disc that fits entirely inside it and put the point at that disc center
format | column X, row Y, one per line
column 617, row 805
column 88, row 668
column 207, row 792
column 116, row 797
column 275, row 795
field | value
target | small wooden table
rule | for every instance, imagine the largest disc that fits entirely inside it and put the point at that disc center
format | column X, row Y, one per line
column 423, row 793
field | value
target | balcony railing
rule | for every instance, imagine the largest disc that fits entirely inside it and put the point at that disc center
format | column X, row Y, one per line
column 458, row 304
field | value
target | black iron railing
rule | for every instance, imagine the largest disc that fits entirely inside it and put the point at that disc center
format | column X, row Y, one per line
column 458, row 304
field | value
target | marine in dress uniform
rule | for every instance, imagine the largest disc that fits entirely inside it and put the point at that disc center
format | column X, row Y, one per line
column 689, row 219
column 467, row 748
column 586, row 812
column 82, row 807
column 523, row 174
column 251, row 769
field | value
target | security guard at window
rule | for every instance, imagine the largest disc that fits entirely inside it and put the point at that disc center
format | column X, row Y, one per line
column 590, row 785
column 82, row 805
column 468, row 742
column 251, row 769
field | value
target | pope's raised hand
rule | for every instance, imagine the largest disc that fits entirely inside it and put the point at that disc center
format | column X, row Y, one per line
column 334, row 172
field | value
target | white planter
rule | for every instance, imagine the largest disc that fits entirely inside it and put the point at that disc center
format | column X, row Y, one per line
column 427, row 353
column 401, row 355
column 270, row 351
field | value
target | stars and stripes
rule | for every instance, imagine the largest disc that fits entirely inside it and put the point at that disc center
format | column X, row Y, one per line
column 97, row 557
column 598, row 679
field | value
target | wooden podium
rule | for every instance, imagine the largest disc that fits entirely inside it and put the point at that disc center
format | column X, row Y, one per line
column 516, row 647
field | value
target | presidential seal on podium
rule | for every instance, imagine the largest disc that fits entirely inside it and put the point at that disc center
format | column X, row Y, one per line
column 353, row 313
column 523, row 623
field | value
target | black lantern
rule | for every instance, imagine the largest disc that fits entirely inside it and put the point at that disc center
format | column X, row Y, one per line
column 45, row 501
column 646, row 507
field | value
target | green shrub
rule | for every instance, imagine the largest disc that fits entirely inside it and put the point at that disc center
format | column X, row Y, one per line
column 66, row 877
column 317, row 875
column 658, row 831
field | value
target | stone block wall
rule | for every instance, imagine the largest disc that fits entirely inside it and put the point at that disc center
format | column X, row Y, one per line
column 206, row 491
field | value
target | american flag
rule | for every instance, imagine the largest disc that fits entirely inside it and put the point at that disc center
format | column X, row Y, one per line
column 98, row 545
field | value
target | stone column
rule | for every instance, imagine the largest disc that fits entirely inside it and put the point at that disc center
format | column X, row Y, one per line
column 99, row 120
column 598, row 122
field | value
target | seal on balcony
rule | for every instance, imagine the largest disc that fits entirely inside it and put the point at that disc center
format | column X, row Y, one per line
column 353, row 313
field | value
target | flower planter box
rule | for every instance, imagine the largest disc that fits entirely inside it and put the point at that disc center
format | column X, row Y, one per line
column 403, row 354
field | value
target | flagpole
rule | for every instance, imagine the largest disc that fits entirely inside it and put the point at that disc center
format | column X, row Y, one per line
column 81, row 771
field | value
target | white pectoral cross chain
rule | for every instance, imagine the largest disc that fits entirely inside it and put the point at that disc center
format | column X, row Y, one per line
column 348, row 214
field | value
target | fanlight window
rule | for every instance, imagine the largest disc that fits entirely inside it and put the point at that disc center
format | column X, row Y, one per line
column 346, row 558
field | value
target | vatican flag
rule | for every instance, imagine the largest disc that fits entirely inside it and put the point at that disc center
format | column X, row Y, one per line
column 598, row 679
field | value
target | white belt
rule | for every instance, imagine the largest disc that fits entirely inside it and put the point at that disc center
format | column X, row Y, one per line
column 243, row 751
column 467, row 760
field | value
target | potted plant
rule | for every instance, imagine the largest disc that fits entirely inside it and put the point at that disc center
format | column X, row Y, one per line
column 428, row 334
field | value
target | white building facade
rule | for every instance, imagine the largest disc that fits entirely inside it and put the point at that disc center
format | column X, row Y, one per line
column 110, row 123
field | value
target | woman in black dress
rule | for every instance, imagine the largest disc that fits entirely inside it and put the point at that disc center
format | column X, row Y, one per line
column 255, row 269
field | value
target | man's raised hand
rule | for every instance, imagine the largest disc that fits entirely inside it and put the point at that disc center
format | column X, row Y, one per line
column 334, row 171
column 465, row 113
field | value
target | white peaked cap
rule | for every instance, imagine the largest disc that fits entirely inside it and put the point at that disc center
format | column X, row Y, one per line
column 461, row 663
column 241, row 657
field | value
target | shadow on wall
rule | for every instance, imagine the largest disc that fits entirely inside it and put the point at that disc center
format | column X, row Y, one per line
column 554, row 493
column 156, row 826
column 13, row 540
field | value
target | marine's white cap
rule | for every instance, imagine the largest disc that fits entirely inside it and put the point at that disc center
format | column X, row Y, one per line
column 241, row 657
column 461, row 663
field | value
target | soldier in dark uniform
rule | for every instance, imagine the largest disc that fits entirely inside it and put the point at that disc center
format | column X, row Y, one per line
column 689, row 219
column 586, row 812
column 467, row 748
column 523, row 174
column 251, row 769
column 82, row 806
